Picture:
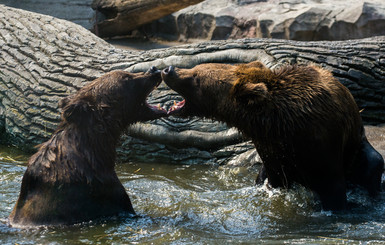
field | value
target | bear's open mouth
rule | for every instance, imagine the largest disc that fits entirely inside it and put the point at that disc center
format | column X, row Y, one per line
column 155, row 108
column 158, row 109
column 177, row 107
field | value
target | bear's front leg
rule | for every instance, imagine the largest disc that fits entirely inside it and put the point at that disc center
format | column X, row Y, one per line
column 262, row 176
column 332, row 194
column 369, row 168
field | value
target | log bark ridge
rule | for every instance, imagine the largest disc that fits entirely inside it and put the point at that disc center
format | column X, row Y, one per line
column 43, row 59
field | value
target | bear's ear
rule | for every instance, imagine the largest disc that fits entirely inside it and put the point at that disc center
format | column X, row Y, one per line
column 249, row 93
column 255, row 64
column 73, row 110
column 63, row 102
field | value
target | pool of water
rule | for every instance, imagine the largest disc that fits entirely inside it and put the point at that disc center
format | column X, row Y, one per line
column 201, row 204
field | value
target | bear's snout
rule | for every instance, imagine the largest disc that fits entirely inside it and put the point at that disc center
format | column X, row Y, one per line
column 153, row 70
column 168, row 71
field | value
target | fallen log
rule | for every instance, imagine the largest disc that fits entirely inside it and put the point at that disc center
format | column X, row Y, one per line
column 43, row 59
column 116, row 18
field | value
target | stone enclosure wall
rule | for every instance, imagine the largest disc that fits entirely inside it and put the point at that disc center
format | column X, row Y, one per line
column 306, row 20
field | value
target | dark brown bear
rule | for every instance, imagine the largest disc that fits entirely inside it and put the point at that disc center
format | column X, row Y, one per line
column 304, row 124
column 72, row 178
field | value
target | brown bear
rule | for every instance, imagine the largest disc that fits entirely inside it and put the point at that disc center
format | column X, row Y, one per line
column 304, row 124
column 71, row 178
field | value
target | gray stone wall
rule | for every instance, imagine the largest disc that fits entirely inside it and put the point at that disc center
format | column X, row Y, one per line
column 77, row 11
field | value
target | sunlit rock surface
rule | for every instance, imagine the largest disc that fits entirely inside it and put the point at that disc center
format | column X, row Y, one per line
column 304, row 20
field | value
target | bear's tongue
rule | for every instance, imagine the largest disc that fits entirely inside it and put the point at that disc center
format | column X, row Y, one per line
column 176, row 107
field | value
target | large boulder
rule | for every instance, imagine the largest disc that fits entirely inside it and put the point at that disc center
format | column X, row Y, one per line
column 119, row 17
column 295, row 20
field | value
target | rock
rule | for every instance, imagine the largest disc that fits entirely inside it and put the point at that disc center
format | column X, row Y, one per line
column 376, row 136
column 119, row 17
column 295, row 20
column 43, row 59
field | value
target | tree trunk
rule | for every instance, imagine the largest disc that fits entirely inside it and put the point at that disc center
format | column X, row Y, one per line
column 116, row 18
column 43, row 59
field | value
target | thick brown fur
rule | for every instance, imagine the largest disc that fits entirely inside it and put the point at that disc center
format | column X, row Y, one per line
column 305, row 125
column 72, row 178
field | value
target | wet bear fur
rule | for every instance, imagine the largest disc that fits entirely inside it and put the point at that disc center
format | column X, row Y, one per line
column 304, row 124
column 71, row 178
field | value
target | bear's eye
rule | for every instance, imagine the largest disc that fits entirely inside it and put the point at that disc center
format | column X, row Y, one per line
column 126, row 78
column 197, row 80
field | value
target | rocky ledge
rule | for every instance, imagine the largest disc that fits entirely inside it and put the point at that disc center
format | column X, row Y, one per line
column 306, row 20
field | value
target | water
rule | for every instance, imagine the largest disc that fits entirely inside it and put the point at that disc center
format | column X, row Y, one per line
column 201, row 204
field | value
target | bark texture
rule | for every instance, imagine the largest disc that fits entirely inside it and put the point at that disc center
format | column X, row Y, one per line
column 43, row 59
column 115, row 18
